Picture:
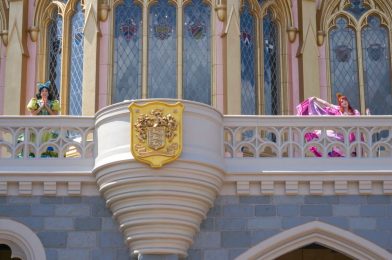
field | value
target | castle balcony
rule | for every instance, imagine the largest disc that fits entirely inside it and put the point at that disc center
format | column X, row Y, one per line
column 159, row 210
column 256, row 153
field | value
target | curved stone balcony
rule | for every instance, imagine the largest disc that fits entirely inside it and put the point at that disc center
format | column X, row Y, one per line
column 159, row 210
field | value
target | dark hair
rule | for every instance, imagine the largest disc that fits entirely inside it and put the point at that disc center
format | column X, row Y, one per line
column 50, row 95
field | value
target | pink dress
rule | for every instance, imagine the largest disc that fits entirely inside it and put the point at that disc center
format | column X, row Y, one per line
column 318, row 107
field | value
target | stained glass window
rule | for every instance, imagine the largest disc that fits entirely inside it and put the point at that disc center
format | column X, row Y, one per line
column 127, row 52
column 271, row 66
column 162, row 51
column 248, row 62
column 261, row 2
column 197, row 52
column 55, row 31
column 376, row 64
column 357, row 8
column 343, row 62
column 76, row 79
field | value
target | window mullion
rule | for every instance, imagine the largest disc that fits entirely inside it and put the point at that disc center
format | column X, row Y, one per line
column 361, row 79
column 145, row 44
column 180, row 49
column 259, row 66
column 65, row 68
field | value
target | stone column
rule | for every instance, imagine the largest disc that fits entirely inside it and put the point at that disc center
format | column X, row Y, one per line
column 233, row 53
column 91, row 59
column 16, row 59
column 309, row 72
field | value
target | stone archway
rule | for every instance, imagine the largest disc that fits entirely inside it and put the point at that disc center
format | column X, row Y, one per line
column 23, row 242
column 320, row 233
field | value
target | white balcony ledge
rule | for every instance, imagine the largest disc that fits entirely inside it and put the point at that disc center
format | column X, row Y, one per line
column 265, row 150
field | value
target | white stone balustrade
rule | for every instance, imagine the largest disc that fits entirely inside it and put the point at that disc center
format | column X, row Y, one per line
column 62, row 137
column 283, row 136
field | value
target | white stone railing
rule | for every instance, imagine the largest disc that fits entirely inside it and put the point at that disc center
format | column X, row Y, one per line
column 284, row 137
column 277, row 137
column 26, row 137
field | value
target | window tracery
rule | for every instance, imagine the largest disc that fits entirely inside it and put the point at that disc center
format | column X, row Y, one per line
column 261, row 91
column 359, row 53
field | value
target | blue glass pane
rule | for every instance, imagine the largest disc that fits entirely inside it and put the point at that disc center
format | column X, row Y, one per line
column 261, row 2
column 162, row 51
column 76, row 79
column 356, row 8
column 55, row 40
column 377, row 68
column 271, row 66
column 343, row 61
column 248, row 62
column 197, row 52
column 127, row 67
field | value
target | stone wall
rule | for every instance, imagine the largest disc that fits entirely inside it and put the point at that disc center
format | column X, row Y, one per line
column 236, row 224
column 69, row 227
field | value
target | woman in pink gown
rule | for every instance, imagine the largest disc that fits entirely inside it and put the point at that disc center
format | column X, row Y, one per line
column 316, row 106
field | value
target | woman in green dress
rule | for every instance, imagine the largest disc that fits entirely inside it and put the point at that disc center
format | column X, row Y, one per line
column 44, row 103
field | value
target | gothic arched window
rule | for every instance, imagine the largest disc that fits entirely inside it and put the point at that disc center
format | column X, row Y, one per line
column 76, row 65
column 171, row 59
column 359, row 55
column 197, row 52
column 343, row 60
column 162, row 51
column 271, row 66
column 248, row 61
column 127, row 66
column 55, row 41
column 261, row 90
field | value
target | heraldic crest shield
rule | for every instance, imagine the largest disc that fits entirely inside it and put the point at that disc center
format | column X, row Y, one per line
column 156, row 132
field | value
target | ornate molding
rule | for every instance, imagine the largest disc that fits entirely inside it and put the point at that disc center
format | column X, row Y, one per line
column 159, row 211
column 320, row 187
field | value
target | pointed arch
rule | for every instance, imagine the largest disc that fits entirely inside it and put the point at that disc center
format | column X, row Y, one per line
column 328, row 7
column 320, row 233
column 23, row 242
column 43, row 9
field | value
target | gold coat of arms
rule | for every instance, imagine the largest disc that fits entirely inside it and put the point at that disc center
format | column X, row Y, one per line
column 156, row 132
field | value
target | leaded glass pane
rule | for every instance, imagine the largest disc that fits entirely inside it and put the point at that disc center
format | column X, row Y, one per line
column 271, row 66
column 76, row 79
column 377, row 68
column 197, row 52
column 343, row 61
column 357, row 8
column 248, row 62
column 55, row 40
column 261, row 2
column 162, row 51
column 127, row 67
